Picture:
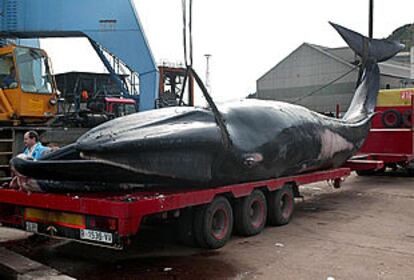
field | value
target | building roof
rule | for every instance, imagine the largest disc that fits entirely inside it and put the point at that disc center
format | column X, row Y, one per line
column 343, row 55
column 398, row 66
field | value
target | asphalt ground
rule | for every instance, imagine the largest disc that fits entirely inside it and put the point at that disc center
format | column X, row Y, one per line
column 365, row 230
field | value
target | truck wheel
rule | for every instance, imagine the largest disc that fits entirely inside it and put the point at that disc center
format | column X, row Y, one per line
column 185, row 231
column 391, row 118
column 250, row 214
column 365, row 172
column 406, row 118
column 37, row 238
column 410, row 171
column 281, row 205
column 213, row 224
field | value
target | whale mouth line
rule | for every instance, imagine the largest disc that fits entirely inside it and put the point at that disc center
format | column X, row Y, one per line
column 115, row 164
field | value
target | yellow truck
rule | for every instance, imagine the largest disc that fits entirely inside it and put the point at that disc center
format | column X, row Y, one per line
column 28, row 89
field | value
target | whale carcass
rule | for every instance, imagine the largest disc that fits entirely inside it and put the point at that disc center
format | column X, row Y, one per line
column 187, row 146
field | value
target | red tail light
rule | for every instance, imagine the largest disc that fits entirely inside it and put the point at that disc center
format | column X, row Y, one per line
column 11, row 214
column 101, row 223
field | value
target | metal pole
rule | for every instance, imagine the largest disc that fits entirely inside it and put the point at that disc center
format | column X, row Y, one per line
column 208, row 86
column 371, row 19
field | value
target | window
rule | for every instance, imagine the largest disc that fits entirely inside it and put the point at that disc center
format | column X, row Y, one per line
column 33, row 71
column 7, row 72
column 119, row 109
column 130, row 109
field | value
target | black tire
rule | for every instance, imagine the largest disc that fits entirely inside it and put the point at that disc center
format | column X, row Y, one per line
column 38, row 239
column 365, row 172
column 391, row 118
column 198, row 225
column 281, row 206
column 370, row 172
column 213, row 223
column 250, row 214
column 381, row 171
column 410, row 171
column 185, row 231
column 406, row 118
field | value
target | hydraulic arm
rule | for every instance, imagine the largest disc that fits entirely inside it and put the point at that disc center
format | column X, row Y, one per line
column 112, row 25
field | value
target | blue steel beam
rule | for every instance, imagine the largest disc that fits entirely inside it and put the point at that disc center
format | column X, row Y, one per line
column 32, row 43
column 115, row 77
column 112, row 24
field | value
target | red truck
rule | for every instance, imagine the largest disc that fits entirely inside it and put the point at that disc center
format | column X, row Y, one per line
column 205, row 217
column 390, row 143
column 115, row 106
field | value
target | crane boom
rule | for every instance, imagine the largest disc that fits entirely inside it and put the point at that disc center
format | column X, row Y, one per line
column 113, row 25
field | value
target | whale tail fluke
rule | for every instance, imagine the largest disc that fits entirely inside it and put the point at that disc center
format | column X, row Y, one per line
column 371, row 52
column 375, row 50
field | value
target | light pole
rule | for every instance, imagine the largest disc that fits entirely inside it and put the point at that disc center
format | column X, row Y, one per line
column 371, row 19
column 208, row 56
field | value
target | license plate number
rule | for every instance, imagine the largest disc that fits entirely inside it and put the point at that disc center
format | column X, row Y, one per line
column 32, row 227
column 95, row 235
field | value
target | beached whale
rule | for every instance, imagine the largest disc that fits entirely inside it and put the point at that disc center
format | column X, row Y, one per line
column 256, row 140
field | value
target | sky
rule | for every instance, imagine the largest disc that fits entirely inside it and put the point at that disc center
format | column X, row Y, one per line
column 245, row 38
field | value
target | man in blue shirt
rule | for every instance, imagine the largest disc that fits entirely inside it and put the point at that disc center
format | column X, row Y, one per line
column 33, row 148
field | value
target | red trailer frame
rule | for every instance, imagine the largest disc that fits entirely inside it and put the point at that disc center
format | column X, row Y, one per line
column 385, row 147
column 121, row 214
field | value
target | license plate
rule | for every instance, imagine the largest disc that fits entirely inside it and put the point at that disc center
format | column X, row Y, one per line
column 31, row 227
column 95, row 235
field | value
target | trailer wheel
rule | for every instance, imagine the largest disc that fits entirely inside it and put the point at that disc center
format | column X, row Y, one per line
column 281, row 205
column 185, row 231
column 38, row 239
column 406, row 118
column 370, row 172
column 410, row 171
column 391, row 118
column 213, row 223
column 250, row 214
column 365, row 172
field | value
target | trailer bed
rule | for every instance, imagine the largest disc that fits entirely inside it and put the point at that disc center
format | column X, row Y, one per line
column 110, row 219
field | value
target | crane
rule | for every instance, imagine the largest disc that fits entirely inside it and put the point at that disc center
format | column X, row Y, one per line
column 113, row 26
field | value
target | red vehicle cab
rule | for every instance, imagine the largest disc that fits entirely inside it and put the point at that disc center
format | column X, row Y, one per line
column 119, row 106
column 115, row 106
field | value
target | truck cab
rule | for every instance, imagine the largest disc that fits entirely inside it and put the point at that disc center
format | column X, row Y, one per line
column 117, row 107
column 28, row 90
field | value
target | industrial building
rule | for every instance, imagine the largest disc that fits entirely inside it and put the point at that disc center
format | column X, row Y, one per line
column 320, row 78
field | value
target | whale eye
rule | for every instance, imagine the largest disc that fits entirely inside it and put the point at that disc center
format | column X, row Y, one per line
column 250, row 160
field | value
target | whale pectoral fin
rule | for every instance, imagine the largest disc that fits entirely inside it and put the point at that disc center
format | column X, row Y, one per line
column 332, row 143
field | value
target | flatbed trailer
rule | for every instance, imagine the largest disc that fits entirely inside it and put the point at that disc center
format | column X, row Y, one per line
column 205, row 217
column 384, row 148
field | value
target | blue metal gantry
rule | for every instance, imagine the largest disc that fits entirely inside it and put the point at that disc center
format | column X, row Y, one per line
column 111, row 24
